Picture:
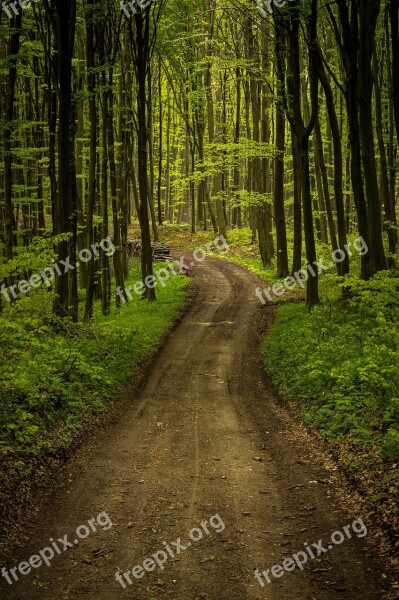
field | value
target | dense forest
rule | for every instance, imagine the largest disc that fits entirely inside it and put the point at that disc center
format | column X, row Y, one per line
column 223, row 116
column 272, row 126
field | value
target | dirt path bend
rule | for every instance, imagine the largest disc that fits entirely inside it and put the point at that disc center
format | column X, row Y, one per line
column 203, row 438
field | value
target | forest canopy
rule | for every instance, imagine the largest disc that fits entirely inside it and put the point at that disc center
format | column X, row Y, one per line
column 277, row 116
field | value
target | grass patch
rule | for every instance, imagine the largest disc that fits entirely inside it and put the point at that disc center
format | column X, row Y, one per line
column 50, row 382
column 344, row 372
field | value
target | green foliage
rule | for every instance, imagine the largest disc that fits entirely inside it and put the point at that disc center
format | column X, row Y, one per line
column 55, row 374
column 33, row 258
column 390, row 447
column 344, row 372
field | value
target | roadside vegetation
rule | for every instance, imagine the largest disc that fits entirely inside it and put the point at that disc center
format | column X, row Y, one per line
column 341, row 363
column 338, row 367
column 56, row 374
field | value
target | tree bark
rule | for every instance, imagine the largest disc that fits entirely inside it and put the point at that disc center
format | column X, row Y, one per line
column 64, row 25
column 368, row 15
column 279, row 168
column 142, row 19
column 9, row 219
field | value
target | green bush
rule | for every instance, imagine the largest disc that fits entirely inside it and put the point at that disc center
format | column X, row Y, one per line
column 341, row 363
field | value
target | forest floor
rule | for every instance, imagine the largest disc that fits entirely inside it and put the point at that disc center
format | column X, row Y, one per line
column 205, row 435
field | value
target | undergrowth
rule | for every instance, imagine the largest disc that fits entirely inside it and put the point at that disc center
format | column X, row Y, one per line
column 53, row 377
column 340, row 363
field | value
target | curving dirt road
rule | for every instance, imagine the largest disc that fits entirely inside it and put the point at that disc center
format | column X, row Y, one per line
column 203, row 437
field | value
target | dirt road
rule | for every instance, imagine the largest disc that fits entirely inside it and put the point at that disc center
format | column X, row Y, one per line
column 202, row 438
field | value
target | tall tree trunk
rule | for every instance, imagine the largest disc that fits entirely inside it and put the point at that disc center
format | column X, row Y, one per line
column 9, row 219
column 266, row 132
column 91, row 195
column 384, row 178
column 73, row 275
column 117, row 256
column 160, row 155
column 350, row 49
column 320, row 189
column 150, row 126
column 64, row 22
column 394, row 19
column 142, row 56
column 368, row 15
column 297, row 249
column 216, row 186
column 79, row 181
column 392, row 147
column 279, row 209
column 303, row 133
column 237, row 222
column 343, row 267
column 321, row 165
column 168, row 158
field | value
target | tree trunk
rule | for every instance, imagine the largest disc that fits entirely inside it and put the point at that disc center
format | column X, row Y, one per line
column 394, row 18
column 9, row 219
column 297, row 250
column 320, row 189
column 91, row 196
column 321, row 165
column 160, row 155
column 142, row 19
column 65, row 21
column 350, row 49
column 279, row 169
column 151, row 156
column 368, row 15
column 343, row 267
column 303, row 133
column 115, row 205
column 385, row 193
